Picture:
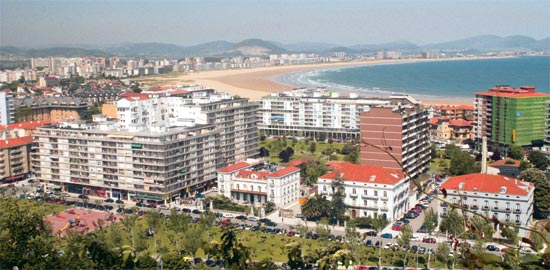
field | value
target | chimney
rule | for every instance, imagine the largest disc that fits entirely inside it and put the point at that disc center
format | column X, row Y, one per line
column 484, row 156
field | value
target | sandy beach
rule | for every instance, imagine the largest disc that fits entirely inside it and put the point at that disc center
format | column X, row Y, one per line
column 254, row 83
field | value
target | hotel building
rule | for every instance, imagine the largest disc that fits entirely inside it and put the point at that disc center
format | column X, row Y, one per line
column 161, row 148
column 369, row 190
column 260, row 183
column 507, row 199
column 402, row 130
column 512, row 116
column 310, row 112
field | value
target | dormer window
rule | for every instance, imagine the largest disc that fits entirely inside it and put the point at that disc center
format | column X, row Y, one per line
column 502, row 189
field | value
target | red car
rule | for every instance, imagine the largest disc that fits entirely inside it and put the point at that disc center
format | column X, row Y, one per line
column 429, row 240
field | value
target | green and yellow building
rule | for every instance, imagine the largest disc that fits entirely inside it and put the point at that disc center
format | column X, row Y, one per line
column 512, row 116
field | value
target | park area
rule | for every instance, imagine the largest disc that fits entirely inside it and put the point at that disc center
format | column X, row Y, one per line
column 82, row 220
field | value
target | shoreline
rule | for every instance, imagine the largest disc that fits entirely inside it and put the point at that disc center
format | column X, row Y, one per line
column 254, row 83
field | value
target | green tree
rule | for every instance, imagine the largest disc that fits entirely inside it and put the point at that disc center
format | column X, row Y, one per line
column 462, row 163
column 234, row 254
column 316, row 207
column 538, row 160
column 516, row 152
column 430, row 220
column 294, row 254
column 353, row 156
column 542, row 187
column 337, row 205
column 442, row 252
column 453, row 224
column 524, row 165
column 451, row 150
column 312, row 147
column 311, row 171
column 26, row 240
column 406, row 236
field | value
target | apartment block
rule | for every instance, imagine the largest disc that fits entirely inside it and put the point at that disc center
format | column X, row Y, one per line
column 311, row 112
column 107, row 161
column 7, row 108
column 506, row 199
column 49, row 109
column 14, row 158
column 396, row 136
column 369, row 190
column 512, row 116
column 258, row 183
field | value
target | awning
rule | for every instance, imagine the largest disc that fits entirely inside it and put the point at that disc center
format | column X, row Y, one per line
column 148, row 197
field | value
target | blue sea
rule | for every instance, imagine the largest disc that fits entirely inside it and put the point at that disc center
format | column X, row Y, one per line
column 429, row 80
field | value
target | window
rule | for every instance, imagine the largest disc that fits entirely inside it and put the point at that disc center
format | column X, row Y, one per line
column 517, row 218
column 354, row 191
column 324, row 188
column 375, row 193
column 385, row 194
column 507, row 217
column 366, row 192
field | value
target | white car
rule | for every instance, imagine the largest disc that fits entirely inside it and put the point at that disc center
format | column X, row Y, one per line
column 388, row 246
column 164, row 207
column 252, row 218
column 227, row 215
column 415, row 239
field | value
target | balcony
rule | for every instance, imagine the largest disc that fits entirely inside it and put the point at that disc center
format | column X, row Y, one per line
column 371, row 197
column 384, row 198
column 485, row 208
column 371, row 207
column 444, row 205
column 518, row 222
column 517, row 211
column 474, row 207
column 353, row 195
column 444, row 215
column 465, row 206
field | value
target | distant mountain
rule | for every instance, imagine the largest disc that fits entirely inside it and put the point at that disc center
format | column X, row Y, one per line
column 54, row 51
column 486, row 43
column 395, row 46
column 309, row 47
column 258, row 47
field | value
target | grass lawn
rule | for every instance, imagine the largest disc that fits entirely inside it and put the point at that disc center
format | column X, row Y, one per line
column 42, row 208
column 300, row 148
column 439, row 165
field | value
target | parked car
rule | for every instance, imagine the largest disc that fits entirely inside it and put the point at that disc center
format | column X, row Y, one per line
column 421, row 250
column 414, row 249
column 164, row 207
column 252, row 218
column 368, row 243
column 429, row 240
column 186, row 210
column 422, row 229
column 109, row 200
column 387, row 236
column 196, row 211
column 415, row 239
column 492, row 248
column 300, row 216
column 241, row 217
column 371, row 233
column 227, row 215
column 429, row 251
column 119, row 201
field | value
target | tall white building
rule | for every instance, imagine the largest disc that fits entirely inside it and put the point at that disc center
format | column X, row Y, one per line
column 369, row 190
column 507, row 199
column 7, row 108
column 310, row 112
column 260, row 183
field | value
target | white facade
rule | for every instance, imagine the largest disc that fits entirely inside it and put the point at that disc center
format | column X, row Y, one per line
column 369, row 190
column 308, row 112
column 7, row 109
column 508, row 199
column 243, row 182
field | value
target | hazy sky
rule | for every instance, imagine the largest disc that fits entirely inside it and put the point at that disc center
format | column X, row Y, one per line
column 42, row 23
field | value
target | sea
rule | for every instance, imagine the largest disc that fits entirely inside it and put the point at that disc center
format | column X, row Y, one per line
column 457, row 79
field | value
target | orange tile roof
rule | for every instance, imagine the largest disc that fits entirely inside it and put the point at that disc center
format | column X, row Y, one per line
column 296, row 162
column 507, row 91
column 460, row 123
column 452, row 107
column 502, row 162
column 234, row 167
column 284, row 171
column 12, row 142
column 24, row 125
column 488, row 183
column 258, row 175
column 364, row 173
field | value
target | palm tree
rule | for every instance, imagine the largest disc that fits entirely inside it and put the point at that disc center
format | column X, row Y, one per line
column 316, row 207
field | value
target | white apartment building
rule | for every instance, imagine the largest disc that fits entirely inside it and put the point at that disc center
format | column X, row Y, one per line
column 310, row 112
column 104, row 160
column 507, row 199
column 7, row 108
column 235, row 117
column 259, row 183
column 369, row 190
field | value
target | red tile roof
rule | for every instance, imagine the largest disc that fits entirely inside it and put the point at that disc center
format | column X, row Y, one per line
column 284, row 171
column 452, row 108
column 364, row 173
column 507, row 91
column 502, row 162
column 259, row 175
column 488, row 183
column 296, row 162
column 12, row 142
column 24, row 125
column 460, row 123
column 234, row 167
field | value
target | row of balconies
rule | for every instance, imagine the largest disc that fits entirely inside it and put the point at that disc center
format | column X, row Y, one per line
column 487, row 208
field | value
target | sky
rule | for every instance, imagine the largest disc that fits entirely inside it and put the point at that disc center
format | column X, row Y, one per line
column 45, row 23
